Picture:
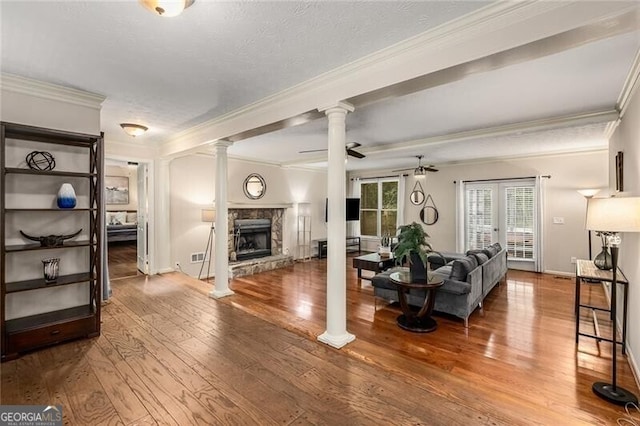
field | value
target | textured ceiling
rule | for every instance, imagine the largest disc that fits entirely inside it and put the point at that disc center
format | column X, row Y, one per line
column 218, row 56
column 171, row 74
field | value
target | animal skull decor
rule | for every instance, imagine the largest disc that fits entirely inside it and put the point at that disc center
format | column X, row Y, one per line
column 51, row 240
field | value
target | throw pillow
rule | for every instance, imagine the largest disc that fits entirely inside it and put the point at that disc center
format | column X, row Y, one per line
column 118, row 218
column 132, row 217
column 480, row 256
column 461, row 267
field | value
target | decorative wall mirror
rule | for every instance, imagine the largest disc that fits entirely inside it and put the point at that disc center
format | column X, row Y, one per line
column 417, row 195
column 429, row 213
column 254, row 186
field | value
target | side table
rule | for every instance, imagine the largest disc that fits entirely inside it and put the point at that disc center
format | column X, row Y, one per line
column 419, row 321
column 587, row 271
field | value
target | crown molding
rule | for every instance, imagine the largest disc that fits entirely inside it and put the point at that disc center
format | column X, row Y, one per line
column 41, row 89
column 497, row 27
column 630, row 86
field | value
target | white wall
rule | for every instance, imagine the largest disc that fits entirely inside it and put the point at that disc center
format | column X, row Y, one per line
column 193, row 188
column 568, row 174
column 130, row 172
column 626, row 139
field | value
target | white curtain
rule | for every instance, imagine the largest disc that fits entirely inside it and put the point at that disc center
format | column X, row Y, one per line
column 353, row 228
column 539, row 232
column 402, row 182
column 460, row 216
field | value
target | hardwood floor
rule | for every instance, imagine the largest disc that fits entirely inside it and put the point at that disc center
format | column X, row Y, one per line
column 168, row 354
column 123, row 260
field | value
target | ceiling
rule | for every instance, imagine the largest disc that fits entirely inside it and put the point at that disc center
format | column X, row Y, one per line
column 172, row 74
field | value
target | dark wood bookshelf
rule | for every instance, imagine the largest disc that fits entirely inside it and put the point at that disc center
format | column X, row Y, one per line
column 14, row 287
column 16, row 170
column 36, row 246
column 48, row 318
column 27, row 333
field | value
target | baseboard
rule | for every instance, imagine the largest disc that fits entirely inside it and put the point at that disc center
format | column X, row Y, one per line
column 634, row 366
column 166, row 270
column 560, row 273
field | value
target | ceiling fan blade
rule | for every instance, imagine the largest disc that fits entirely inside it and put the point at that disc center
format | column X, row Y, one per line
column 352, row 145
column 404, row 170
column 430, row 169
column 355, row 154
column 311, row 150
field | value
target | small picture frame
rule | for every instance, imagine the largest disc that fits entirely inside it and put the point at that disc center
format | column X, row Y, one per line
column 117, row 189
column 619, row 172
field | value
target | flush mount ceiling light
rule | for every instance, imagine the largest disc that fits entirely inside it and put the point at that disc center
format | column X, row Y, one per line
column 167, row 8
column 133, row 129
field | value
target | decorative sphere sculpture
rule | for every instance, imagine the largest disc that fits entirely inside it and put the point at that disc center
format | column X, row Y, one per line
column 40, row 160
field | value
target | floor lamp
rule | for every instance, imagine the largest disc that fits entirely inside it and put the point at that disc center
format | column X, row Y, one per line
column 588, row 193
column 208, row 215
column 613, row 215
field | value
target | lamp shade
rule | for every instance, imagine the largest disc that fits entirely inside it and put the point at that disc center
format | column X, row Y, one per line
column 208, row 215
column 614, row 214
column 588, row 193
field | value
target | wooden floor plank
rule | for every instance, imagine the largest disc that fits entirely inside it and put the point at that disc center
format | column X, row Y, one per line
column 171, row 355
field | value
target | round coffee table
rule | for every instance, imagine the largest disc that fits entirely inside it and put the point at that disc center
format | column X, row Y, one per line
column 418, row 321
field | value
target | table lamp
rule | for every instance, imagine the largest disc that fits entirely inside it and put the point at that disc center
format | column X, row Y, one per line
column 613, row 215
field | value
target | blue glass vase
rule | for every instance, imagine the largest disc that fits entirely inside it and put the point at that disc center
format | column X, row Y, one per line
column 66, row 196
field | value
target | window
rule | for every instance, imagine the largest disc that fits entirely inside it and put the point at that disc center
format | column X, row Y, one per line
column 378, row 207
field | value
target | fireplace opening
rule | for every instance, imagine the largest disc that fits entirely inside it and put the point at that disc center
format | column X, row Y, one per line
column 252, row 238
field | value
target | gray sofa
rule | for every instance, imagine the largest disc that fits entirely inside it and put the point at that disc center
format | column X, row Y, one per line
column 468, row 279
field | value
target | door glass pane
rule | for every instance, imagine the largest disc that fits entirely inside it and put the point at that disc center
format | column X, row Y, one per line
column 519, row 222
column 369, row 222
column 479, row 218
column 369, row 196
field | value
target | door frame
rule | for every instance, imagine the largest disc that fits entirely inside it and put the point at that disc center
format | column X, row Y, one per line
column 150, row 201
column 498, row 187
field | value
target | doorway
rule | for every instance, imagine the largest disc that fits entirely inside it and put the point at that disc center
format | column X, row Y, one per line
column 126, row 196
column 504, row 212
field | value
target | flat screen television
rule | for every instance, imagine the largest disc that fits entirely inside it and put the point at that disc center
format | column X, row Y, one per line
column 352, row 209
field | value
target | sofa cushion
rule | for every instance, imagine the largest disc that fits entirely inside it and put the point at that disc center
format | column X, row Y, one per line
column 455, row 287
column 490, row 251
column 480, row 256
column 461, row 267
column 383, row 279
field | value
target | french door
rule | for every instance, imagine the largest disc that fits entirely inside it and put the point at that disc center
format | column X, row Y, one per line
column 503, row 212
column 143, row 210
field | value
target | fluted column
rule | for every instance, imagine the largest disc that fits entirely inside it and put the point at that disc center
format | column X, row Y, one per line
column 221, row 288
column 336, row 334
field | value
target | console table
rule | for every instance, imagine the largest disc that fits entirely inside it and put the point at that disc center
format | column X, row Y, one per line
column 352, row 243
column 587, row 271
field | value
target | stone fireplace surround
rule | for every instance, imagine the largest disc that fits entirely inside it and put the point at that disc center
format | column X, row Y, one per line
column 277, row 258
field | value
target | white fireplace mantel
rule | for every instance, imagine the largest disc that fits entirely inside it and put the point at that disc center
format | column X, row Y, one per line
column 233, row 205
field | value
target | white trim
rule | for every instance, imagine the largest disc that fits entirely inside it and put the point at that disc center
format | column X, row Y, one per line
column 167, row 270
column 634, row 367
column 336, row 341
column 236, row 206
column 559, row 273
column 40, row 89
column 629, row 87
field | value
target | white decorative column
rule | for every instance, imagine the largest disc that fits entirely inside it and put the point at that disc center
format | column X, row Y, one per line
column 161, row 261
column 221, row 288
column 336, row 334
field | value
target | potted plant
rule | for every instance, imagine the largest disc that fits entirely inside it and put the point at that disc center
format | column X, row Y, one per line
column 414, row 247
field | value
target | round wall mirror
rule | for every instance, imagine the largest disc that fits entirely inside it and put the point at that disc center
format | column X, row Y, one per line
column 416, row 197
column 429, row 215
column 254, row 186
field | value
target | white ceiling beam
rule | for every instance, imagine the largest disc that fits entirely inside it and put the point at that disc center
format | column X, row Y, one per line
column 498, row 27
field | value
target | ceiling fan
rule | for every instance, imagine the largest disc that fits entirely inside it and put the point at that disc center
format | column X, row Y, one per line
column 348, row 147
column 420, row 170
